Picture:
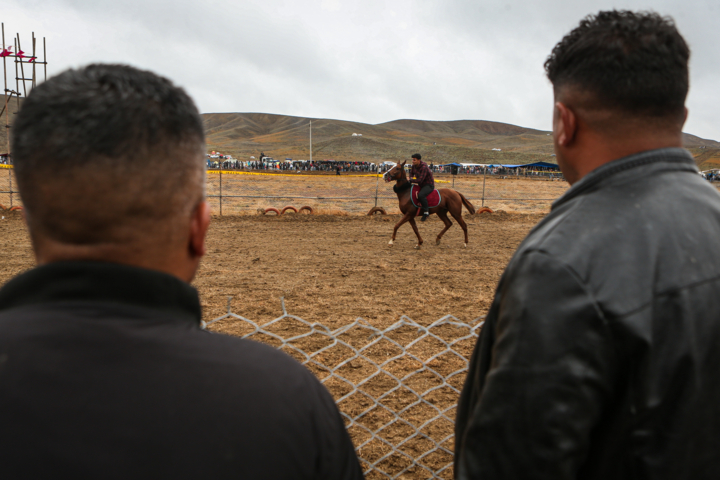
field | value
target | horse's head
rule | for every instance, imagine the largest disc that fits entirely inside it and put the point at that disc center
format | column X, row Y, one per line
column 395, row 173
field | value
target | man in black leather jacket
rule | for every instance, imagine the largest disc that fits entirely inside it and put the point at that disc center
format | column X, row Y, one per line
column 600, row 355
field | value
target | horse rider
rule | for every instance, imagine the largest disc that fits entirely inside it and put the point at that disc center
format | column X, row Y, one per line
column 421, row 175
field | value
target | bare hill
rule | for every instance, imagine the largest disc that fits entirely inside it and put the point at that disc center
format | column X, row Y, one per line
column 282, row 136
column 690, row 141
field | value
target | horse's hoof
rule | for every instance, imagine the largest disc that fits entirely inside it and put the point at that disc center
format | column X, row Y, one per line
column 437, row 242
column 391, row 243
column 465, row 245
column 417, row 247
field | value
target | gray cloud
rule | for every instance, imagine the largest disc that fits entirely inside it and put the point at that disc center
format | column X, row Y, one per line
column 370, row 61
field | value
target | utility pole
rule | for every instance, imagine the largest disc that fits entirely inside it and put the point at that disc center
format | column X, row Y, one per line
column 484, row 175
column 5, row 93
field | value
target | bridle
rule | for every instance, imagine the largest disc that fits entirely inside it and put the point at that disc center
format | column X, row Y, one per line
column 387, row 175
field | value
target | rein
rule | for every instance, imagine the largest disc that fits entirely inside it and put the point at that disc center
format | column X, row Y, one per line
column 398, row 188
column 401, row 188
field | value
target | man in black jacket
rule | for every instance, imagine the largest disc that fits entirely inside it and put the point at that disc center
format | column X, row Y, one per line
column 104, row 369
column 599, row 356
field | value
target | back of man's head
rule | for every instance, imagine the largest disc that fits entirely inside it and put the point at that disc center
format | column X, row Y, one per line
column 634, row 65
column 109, row 155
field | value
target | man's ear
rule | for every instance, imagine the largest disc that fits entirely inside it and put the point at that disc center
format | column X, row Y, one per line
column 199, row 224
column 565, row 124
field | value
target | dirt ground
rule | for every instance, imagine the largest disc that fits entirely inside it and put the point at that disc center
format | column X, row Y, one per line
column 333, row 269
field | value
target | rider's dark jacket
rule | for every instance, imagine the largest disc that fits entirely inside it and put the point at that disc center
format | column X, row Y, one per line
column 600, row 355
column 421, row 175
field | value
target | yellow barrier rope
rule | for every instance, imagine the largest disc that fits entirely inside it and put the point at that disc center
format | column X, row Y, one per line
column 233, row 172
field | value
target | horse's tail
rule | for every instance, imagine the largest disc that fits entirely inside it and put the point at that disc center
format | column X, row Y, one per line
column 467, row 204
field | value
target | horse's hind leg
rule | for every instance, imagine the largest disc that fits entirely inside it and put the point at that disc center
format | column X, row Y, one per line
column 457, row 215
column 443, row 216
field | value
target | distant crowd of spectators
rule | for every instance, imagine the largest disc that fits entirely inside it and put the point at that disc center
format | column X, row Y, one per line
column 368, row 167
column 297, row 166
column 711, row 176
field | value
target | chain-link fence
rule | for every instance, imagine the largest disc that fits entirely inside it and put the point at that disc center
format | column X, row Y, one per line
column 237, row 192
column 241, row 192
column 9, row 196
column 234, row 192
column 397, row 388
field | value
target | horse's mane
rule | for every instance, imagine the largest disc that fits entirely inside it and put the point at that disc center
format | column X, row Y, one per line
column 401, row 188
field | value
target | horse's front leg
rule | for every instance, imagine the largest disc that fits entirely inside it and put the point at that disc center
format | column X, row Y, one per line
column 405, row 218
column 417, row 233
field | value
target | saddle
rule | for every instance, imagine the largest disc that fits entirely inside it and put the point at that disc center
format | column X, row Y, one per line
column 433, row 198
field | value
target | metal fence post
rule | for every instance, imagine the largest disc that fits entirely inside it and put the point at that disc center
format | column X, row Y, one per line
column 483, row 194
column 11, row 191
column 221, row 193
column 377, row 185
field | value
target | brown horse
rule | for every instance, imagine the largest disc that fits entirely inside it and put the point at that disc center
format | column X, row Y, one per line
column 451, row 201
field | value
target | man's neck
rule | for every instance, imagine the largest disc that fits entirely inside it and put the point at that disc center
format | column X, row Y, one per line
column 172, row 261
column 596, row 150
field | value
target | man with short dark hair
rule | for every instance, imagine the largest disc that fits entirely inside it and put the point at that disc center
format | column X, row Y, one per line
column 599, row 355
column 104, row 369
column 421, row 175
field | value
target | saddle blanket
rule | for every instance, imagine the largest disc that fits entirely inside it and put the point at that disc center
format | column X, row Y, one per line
column 433, row 198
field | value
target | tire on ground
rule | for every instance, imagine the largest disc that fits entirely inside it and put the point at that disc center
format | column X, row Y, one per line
column 375, row 210
column 483, row 210
column 271, row 209
column 288, row 207
column 306, row 207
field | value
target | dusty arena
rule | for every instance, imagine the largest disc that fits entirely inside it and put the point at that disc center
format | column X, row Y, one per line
column 332, row 269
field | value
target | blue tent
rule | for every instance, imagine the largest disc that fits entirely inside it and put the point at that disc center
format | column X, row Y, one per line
column 550, row 166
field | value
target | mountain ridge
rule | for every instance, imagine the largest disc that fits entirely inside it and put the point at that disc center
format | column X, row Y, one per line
column 442, row 141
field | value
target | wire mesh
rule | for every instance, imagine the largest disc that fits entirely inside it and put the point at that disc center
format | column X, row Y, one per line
column 397, row 388
column 235, row 192
column 9, row 196
column 241, row 192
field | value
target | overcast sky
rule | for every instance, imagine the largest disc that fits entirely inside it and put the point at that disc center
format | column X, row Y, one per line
column 368, row 61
